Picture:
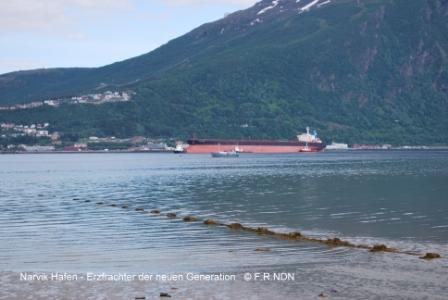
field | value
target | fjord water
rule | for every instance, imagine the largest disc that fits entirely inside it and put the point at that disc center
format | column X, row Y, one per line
column 395, row 197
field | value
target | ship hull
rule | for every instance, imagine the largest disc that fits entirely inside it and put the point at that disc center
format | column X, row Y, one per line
column 267, row 147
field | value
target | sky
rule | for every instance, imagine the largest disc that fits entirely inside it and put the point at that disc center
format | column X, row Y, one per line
column 90, row 33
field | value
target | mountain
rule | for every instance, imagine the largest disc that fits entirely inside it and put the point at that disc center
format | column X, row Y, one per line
column 362, row 71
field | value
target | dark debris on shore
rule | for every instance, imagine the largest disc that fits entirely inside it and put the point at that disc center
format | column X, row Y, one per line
column 291, row 236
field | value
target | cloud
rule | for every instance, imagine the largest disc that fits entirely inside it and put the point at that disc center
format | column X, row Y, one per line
column 60, row 15
column 50, row 15
column 47, row 33
column 210, row 2
column 19, row 64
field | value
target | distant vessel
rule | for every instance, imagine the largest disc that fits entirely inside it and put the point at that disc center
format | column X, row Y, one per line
column 225, row 154
column 371, row 147
column 306, row 148
column 308, row 141
column 179, row 149
column 238, row 149
column 337, row 146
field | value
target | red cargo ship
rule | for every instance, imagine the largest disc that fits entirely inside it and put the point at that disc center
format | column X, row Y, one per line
column 305, row 143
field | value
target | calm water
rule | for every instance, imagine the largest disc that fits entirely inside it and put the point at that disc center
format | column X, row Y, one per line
column 396, row 197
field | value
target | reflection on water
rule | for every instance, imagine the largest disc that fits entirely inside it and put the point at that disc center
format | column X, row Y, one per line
column 395, row 197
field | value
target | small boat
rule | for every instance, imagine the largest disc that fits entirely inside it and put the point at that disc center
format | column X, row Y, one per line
column 225, row 154
column 306, row 149
column 179, row 149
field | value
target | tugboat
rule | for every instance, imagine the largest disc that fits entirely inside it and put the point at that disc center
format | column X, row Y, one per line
column 233, row 153
column 238, row 150
column 306, row 149
column 179, row 149
column 225, row 154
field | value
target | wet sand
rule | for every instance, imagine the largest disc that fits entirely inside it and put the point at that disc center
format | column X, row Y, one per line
column 365, row 278
column 13, row 288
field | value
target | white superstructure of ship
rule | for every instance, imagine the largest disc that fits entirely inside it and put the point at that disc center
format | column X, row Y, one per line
column 308, row 137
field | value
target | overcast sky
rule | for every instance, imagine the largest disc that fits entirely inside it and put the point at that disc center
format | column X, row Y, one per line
column 88, row 33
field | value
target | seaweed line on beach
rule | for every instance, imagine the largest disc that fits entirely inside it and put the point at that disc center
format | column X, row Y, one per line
column 290, row 236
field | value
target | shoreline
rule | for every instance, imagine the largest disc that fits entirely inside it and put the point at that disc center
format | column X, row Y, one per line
column 423, row 148
column 87, row 152
column 311, row 281
column 14, row 288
